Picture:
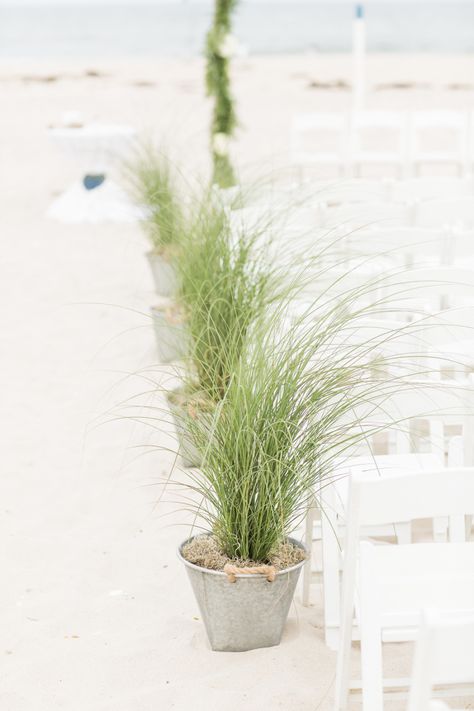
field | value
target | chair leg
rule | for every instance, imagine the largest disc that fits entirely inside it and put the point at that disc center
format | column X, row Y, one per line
column 331, row 573
column 370, row 635
column 469, row 521
column 308, row 540
column 371, row 666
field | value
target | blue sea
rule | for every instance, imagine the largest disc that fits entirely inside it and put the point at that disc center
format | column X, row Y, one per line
column 177, row 29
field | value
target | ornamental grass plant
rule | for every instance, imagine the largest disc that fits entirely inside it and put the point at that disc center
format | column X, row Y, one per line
column 227, row 284
column 154, row 182
column 300, row 397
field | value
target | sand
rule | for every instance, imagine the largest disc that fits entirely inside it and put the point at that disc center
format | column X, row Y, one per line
column 96, row 612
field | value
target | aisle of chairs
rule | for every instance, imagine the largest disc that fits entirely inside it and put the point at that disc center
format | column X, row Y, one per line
column 390, row 533
column 402, row 142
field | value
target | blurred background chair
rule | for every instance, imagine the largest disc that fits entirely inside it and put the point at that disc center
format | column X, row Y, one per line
column 320, row 139
column 389, row 150
column 439, row 137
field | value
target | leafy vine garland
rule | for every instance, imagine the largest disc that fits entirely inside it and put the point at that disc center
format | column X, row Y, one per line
column 220, row 47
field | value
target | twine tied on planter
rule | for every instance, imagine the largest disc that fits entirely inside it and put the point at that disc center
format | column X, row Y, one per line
column 269, row 571
column 174, row 315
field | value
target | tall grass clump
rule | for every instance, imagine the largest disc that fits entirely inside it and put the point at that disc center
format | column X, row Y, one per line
column 227, row 285
column 299, row 398
column 154, row 183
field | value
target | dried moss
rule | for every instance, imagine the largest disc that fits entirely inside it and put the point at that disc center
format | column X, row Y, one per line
column 205, row 552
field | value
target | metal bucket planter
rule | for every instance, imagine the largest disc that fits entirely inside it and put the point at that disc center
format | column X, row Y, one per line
column 171, row 334
column 246, row 614
column 164, row 274
column 187, row 449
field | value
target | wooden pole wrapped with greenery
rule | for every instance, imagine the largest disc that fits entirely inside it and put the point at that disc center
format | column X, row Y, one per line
column 219, row 49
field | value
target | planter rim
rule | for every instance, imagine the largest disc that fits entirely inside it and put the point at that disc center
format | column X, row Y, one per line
column 164, row 304
column 241, row 576
column 157, row 253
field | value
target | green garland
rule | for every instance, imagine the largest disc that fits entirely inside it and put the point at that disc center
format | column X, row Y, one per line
column 218, row 86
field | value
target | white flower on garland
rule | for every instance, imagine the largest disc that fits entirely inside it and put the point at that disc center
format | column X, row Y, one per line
column 220, row 144
column 228, row 47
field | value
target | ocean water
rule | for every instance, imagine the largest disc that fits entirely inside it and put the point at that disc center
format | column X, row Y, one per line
column 177, row 29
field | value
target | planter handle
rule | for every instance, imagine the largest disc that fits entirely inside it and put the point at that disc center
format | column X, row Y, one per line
column 232, row 571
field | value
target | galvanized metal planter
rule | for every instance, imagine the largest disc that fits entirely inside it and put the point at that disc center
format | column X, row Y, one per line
column 248, row 614
column 164, row 274
column 171, row 338
column 187, row 449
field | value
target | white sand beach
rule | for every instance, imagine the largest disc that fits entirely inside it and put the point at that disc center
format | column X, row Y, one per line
column 96, row 612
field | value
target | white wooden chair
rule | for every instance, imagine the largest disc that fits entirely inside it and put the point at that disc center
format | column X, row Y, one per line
column 320, row 139
column 366, row 214
column 431, row 187
column 439, row 137
column 422, row 422
column 390, row 149
column 354, row 190
column 444, row 654
column 405, row 246
column 393, row 583
column 333, row 501
column 428, row 289
column 452, row 212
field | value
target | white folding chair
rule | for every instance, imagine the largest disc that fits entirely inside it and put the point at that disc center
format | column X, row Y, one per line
column 276, row 221
column 366, row 214
column 428, row 289
column 354, row 190
column 439, row 137
column 444, row 655
column 333, row 501
column 393, row 583
column 378, row 138
column 320, row 139
column 453, row 212
column 405, row 246
column 431, row 187
column 424, row 421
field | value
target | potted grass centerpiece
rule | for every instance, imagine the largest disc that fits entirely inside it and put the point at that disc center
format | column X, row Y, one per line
column 154, row 184
column 226, row 286
column 166, row 222
column 300, row 397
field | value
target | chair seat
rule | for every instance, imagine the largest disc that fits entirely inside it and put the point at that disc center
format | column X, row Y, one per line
column 377, row 157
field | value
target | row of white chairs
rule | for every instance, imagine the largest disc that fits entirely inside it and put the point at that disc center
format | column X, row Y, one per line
column 377, row 495
column 386, row 189
column 349, row 190
column 385, row 587
column 435, row 213
column 437, row 429
column 403, row 140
